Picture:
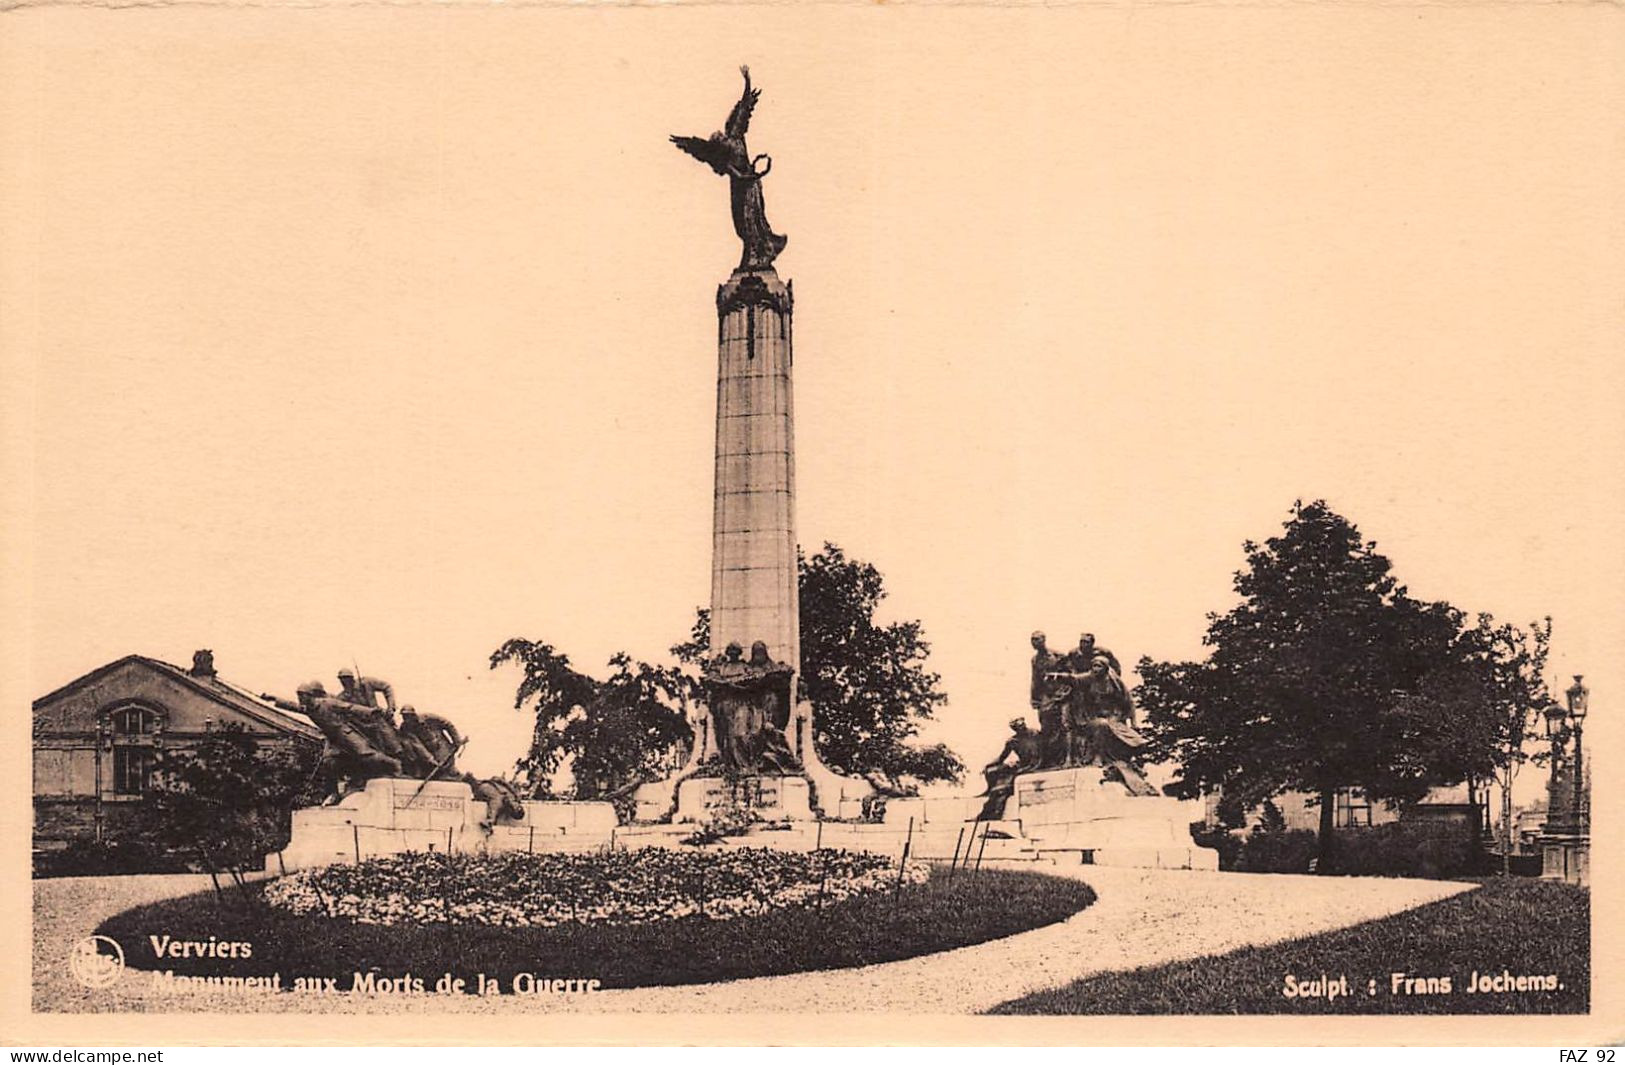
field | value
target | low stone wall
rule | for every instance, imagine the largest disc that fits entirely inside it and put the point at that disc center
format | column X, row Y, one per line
column 1069, row 816
column 396, row 815
column 937, row 843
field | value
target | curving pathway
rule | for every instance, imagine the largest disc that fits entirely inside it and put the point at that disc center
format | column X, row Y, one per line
column 1142, row 917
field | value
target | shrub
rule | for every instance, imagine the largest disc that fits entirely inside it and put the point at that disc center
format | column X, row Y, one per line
column 1426, row 849
column 1429, row 849
column 107, row 858
column 1277, row 852
column 1270, row 818
column 229, row 801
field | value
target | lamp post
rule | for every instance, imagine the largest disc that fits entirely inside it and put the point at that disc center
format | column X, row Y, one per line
column 1578, row 696
column 1555, row 716
column 1566, row 842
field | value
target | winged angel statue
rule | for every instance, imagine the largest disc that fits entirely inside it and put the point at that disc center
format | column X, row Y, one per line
column 725, row 152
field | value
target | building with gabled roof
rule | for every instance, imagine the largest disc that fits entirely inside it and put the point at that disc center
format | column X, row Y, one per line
column 97, row 738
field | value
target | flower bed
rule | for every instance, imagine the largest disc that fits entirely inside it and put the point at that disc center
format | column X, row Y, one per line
column 942, row 913
column 617, row 888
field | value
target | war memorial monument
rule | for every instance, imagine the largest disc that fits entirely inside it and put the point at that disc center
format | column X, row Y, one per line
column 1070, row 791
column 1059, row 316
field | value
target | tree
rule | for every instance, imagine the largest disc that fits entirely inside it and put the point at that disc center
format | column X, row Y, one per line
column 1471, row 718
column 868, row 684
column 1304, row 682
column 228, row 801
column 1507, row 682
column 616, row 733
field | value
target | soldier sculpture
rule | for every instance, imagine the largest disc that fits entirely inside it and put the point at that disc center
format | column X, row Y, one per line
column 364, row 740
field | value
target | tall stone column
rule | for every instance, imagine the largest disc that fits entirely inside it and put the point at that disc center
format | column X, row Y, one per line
column 757, row 725
column 753, row 548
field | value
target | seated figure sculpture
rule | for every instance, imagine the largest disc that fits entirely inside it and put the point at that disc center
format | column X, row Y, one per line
column 1027, row 747
column 750, row 707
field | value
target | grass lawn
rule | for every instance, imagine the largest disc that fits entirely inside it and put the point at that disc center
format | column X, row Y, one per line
column 925, row 918
column 1524, row 927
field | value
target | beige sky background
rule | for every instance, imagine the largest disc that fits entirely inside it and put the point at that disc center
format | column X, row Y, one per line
column 378, row 336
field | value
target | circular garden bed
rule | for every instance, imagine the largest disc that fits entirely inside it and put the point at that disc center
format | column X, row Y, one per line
column 519, row 890
column 624, row 919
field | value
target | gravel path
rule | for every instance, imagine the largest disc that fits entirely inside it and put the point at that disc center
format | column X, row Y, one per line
column 1142, row 917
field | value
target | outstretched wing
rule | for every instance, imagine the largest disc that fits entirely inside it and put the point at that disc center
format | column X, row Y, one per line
column 739, row 117
column 713, row 152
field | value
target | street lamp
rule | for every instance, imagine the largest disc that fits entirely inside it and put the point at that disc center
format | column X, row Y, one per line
column 1578, row 696
column 1555, row 716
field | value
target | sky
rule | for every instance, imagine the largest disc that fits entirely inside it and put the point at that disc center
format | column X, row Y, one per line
column 375, row 337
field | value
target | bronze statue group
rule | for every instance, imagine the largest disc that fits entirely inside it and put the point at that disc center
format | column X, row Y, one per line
column 750, row 711
column 364, row 739
column 1085, row 718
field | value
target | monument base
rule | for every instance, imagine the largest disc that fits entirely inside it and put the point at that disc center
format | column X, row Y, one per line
column 394, row 815
column 1566, row 857
column 1067, row 815
column 772, row 798
column 656, row 800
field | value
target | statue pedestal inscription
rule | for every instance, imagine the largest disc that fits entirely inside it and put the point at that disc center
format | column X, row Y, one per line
column 392, row 816
column 772, row 798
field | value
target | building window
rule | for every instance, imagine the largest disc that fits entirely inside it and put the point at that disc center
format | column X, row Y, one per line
column 132, row 770
column 133, row 735
column 134, row 721
column 1353, row 809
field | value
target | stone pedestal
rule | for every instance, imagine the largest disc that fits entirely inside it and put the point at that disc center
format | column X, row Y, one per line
column 1077, row 810
column 656, row 800
column 774, row 798
column 1072, row 815
column 1566, row 858
column 392, row 816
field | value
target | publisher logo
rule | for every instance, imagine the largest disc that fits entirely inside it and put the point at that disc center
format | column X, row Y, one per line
column 96, row 961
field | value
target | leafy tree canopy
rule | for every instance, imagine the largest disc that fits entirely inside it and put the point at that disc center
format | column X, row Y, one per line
column 227, row 801
column 616, row 733
column 1311, row 680
column 867, row 683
